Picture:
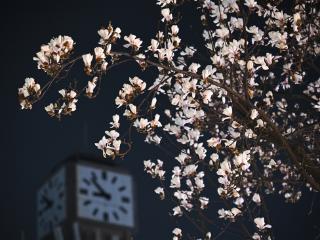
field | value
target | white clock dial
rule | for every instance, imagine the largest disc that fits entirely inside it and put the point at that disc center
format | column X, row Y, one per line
column 104, row 195
column 51, row 203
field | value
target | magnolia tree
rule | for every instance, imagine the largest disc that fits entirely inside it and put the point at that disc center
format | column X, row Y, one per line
column 242, row 107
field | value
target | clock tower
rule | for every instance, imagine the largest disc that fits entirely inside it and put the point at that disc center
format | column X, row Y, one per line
column 86, row 199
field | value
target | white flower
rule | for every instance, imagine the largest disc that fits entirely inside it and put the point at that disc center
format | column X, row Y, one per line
column 296, row 21
column 141, row 123
column 194, row 67
column 200, row 151
column 174, row 29
column 256, row 198
column 242, row 159
column 155, row 122
column 153, row 103
column 203, row 202
column 167, row 16
column 131, row 112
column 105, row 34
column 260, row 123
column 214, row 142
column 98, row 52
column 50, row 109
column 261, row 224
column 177, row 211
column 133, row 42
column 239, row 201
column 225, row 168
column 256, row 236
column 269, row 59
column 228, row 112
column 206, row 96
column 278, row 39
column 104, row 66
column 160, row 192
column 115, row 123
column 199, row 182
column 260, row 60
column 188, row 51
column 116, row 144
column 154, row 45
column 87, row 59
column 102, row 143
column 236, row 23
column 254, row 114
column 257, row 33
column 138, row 83
column 251, row 3
column 235, row 211
column 190, row 170
column 163, row 3
column 175, row 182
column 214, row 157
column 113, row 134
column 177, row 232
column 91, row 86
column 250, row 66
column 208, row 71
column 222, row 32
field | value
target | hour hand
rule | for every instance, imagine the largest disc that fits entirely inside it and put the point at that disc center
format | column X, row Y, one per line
column 102, row 194
column 47, row 201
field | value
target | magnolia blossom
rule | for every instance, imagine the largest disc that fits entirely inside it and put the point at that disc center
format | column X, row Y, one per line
column 133, row 42
column 208, row 71
column 167, row 16
column 251, row 3
column 254, row 114
column 91, row 86
column 256, row 198
column 257, row 34
column 87, row 59
column 177, row 211
column 108, row 35
column 154, row 45
column 207, row 96
column 160, row 192
column 177, row 233
column 115, row 121
column 99, row 53
column 261, row 224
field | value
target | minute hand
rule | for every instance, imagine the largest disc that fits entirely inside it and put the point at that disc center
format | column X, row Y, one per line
column 101, row 192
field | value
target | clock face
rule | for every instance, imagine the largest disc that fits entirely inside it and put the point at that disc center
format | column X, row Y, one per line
column 51, row 203
column 105, row 196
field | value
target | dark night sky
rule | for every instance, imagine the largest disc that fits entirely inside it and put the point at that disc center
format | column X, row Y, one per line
column 32, row 143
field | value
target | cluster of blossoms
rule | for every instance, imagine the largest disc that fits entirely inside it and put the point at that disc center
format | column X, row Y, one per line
column 53, row 54
column 64, row 106
column 242, row 110
column 129, row 91
column 110, row 145
column 29, row 93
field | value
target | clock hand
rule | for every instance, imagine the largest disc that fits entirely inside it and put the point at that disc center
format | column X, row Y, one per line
column 102, row 192
column 103, row 195
column 47, row 201
column 48, row 204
